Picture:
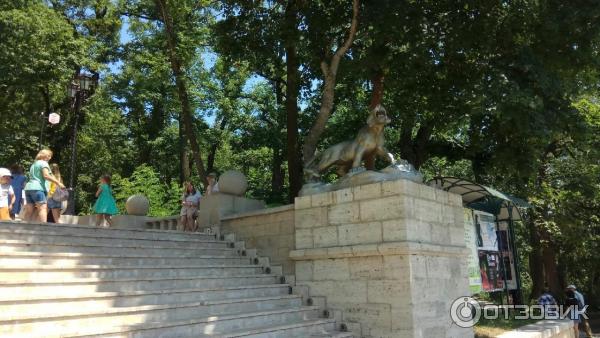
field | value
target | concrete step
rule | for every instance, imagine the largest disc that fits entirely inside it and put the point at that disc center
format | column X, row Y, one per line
column 320, row 328
column 96, row 232
column 67, row 280
column 94, row 249
column 49, row 274
column 41, row 238
column 89, row 287
column 214, row 326
column 97, row 302
column 32, row 260
column 107, row 318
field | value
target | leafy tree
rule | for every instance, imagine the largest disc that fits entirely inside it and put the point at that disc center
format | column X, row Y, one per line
column 104, row 147
column 269, row 37
column 43, row 45
column 38, row 56
column 329, row 63
column 179, row 18
column 143, row 88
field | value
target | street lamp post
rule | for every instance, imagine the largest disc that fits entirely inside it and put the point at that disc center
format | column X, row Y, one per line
column 42, row 128
column 79, row 90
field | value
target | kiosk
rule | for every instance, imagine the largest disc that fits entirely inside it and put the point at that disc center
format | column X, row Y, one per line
column 490, row 216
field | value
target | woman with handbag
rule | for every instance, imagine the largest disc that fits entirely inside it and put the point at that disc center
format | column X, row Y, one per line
column 35, row 189
column 190, row 202
column 54, row 195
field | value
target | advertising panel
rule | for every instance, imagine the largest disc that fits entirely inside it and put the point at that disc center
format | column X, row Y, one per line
column 486, row 228
column 473, row 258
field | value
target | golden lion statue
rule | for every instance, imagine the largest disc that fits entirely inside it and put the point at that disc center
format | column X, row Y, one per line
column 349, row 155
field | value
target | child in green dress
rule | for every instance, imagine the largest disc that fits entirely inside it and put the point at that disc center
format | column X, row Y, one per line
column 105, row 205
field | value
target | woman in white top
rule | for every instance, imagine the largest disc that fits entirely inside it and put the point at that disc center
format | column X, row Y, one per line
column 190, row 202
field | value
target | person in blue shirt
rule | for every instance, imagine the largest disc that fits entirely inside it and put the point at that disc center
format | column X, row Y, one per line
column 18, row 184
column 574, row 306
column 546, row 299
column 581, row 300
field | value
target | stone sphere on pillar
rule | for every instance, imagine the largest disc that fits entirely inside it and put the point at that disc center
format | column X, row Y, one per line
column 137, row 205
column 233, row 182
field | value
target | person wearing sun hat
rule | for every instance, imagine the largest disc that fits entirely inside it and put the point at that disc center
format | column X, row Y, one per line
column 7, row 194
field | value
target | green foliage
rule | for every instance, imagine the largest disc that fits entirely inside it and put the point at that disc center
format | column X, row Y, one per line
column 165, row 199
column 103, row 147
column 41, row 48
column 441, row 166
column 38, row 55
column 38, row 47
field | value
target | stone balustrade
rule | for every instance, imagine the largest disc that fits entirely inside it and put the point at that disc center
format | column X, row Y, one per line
column 163, row 223
column 212, row 209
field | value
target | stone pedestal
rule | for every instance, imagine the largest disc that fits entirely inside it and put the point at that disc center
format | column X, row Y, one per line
column 389, row 256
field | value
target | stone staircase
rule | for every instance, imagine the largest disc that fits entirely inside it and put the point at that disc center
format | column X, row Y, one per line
column 77, row 281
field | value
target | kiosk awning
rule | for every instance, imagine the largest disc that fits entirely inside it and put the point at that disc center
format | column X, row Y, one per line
column 480, row 197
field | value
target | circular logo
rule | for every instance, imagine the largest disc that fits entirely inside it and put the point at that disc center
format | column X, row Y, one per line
column 465, row 312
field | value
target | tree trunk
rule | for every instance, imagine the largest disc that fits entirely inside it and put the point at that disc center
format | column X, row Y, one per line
column 378, row 89
column 536, row 267
column 328, row 96
column 561, row 268
column 420, row 145
column 310, row 143
column 277, row 175
column 185, row 165
column 291, row 108
column 550, row 267
column 545, row 240
column 406, row 143
column 180, row 82
column 210, row 161
column 594, row 282
column 291, row 100
column 478, row 165
column 184, row 174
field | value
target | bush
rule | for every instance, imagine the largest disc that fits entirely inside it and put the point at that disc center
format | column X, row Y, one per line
column 164, row 199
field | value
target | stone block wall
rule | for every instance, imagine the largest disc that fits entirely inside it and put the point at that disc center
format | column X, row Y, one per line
column 390, row 256
column 270, row 231
column 218, row 205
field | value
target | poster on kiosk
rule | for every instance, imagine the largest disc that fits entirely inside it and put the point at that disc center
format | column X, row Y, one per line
column 490, row 259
